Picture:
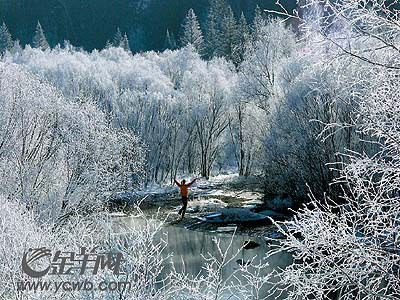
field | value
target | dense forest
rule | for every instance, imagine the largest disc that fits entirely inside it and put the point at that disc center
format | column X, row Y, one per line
column 310, row 107
column 90, row 24
column 197, row 115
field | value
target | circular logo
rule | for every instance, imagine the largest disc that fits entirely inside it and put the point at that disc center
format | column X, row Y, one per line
column 39, row 255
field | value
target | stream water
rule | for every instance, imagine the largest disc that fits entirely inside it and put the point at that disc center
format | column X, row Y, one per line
column 188, row 246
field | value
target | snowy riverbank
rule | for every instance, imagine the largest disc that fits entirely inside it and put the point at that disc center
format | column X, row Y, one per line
column 240, row 202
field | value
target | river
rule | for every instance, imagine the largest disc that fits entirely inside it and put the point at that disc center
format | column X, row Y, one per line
column 188, row 246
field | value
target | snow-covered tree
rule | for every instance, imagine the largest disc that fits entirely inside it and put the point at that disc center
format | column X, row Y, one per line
column 263, row 61
column 230, row 35
column 350, row 249
column 68, row 155
column 125, row 43
column 108, row 44
column 16, row 48
column 39, row 39
column 222, row 31
column 208, row 93
column 259, row 21
column 211, row 32
column 148, row 93
column 217, row 13
column 192, row 32
column 243, row 35
column 6, row 41
column 118, row 38
column 170, row 42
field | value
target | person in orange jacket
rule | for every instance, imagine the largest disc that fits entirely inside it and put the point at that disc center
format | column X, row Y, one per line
column 184, row 190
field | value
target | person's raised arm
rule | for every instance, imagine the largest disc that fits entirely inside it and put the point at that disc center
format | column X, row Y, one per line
column 176, row 182
column 193, row 181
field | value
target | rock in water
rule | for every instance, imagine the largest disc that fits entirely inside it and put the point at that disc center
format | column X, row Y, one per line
column 250, row 245
column 234, row 215
column 274, row 215
column 193, row 209
column 226, row 229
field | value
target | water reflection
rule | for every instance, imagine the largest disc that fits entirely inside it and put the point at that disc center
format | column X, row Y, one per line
column 188, row 247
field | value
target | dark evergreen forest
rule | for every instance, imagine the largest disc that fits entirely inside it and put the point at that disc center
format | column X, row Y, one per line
column 90, row 24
